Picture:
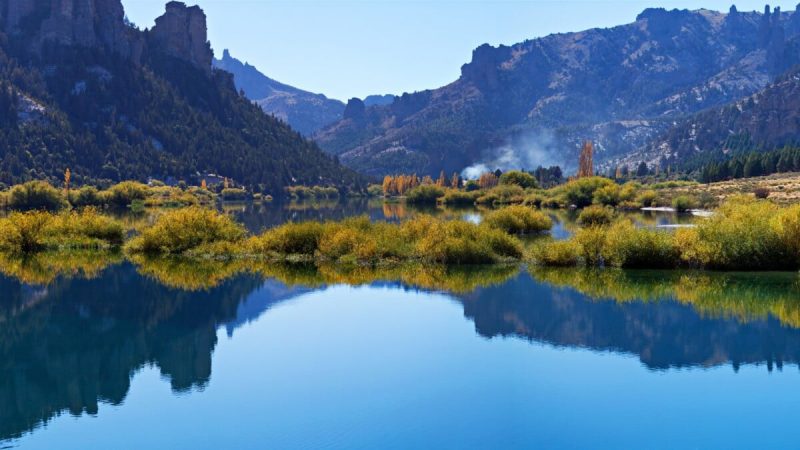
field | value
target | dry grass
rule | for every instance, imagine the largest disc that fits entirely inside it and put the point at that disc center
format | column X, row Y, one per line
column 784, row 188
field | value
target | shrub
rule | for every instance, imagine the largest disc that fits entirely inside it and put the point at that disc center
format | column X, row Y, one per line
column 595, row 215
column 761, row 192
column 288, row 239
column 456, row 197
column 471, row 186
column 456, row 242
column 424, row 194
column 518, row 219
column 557, row 254
column 85, row 229
column 533, row 200
column 234, row 194
column 518, row 178
column 591, row 243
column 607, row 195
column 35, row 195
column 787, row 225
column 740, row 235
column 187, row 229
column 630, row 247
column 647, row 198
column 124, row 194
column 627, row 192
column 85, row 196
column 38, row 230
column 24, row 231
column 375, row 190
column 580, row 192
column 502, row 195
column 683, row 203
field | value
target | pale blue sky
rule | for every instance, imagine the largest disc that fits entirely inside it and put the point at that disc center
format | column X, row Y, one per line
column 353, row 48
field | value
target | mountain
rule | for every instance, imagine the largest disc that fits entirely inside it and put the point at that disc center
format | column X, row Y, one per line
column 80, row 88
column 765, row 120
column 535, row 102
column 378, row 100
column 306, row 112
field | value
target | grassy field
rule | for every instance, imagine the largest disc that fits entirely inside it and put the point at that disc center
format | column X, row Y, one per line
column 784, row 188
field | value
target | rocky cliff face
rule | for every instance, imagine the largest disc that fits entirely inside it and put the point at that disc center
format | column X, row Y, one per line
column 87, row 23
column 181, row 33
column 536, row 101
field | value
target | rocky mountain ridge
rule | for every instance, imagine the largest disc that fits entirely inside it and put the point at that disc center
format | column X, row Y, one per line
column 81, row 88
column 536, row 101
column 305, row 111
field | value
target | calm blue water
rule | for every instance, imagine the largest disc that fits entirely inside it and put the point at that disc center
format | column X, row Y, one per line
column 121, row 361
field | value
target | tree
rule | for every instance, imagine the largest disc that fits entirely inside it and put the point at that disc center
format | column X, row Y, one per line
column 586, row 160
column 487, row 180
column 519, row 178
column 455, row 181
column 642, row 170
column 442, row 180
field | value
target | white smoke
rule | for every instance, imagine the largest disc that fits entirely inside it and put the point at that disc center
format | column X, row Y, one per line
column 525, row 151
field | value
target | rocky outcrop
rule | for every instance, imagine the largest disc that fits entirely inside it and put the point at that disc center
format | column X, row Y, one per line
column 181, row 33
column 355, row 109
column 86, row 23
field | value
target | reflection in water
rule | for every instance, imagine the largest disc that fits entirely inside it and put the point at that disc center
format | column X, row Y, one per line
column 78, row 341
column 742, row 296
column 83, row 340
column 664, row 333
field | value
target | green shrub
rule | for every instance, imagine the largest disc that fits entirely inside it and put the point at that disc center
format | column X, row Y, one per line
column 234, row 195
column 24, row 231
column 124, row 194
column 647, row 198
column 595, row 215
column 557, row 254
column 518, row 178
column 580, row 192
column 38, row 230
column 518, row 219
column 502, row 195
column 424, row 194
column 288, row 239
column 457, row 242
column 455, row 197
column 187, row 229
column 591, row 243
column 607, row 195
column 742, row 234
column 533, row 200
column 35, row 195
column 683, row 203
column 85, row 196
column 630, row 247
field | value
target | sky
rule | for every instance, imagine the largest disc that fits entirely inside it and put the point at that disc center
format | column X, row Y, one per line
column 355, row 48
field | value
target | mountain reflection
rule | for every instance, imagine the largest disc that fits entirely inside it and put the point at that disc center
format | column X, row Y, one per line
column 668, row 320
column 73, row 337
column 79, row 341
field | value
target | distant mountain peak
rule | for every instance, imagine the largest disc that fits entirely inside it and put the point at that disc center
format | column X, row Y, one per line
column 536, row 101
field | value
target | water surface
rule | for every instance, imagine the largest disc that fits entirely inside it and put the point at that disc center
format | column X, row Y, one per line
column 503, row 357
